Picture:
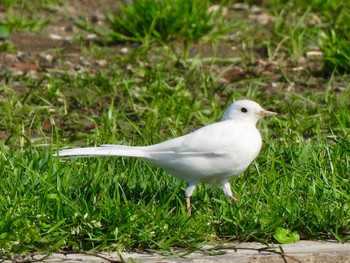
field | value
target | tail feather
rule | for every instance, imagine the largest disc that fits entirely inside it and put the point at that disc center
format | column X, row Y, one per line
column 104, row 150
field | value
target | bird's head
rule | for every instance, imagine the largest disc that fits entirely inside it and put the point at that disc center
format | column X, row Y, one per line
column 245, row 110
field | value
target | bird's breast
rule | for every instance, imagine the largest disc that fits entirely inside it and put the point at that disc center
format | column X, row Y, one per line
column 244, row 147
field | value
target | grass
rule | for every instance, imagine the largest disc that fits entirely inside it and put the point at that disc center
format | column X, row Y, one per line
column 160, row 22
column 299, row 183
column 21, row 16
column 166, row 20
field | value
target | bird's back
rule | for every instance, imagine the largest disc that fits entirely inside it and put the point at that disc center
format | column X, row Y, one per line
column 211, row 154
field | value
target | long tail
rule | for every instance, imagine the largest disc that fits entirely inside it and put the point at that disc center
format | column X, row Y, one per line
column 104, row 150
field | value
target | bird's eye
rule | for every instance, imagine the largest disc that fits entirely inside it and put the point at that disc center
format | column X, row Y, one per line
column 244, row 110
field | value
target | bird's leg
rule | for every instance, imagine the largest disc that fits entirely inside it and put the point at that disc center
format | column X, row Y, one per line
column 188, row 193
column 226, row 187
column 188, row 205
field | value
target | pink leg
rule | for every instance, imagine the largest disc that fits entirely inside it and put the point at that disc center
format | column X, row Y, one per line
column 226, row 187
column 188, row 193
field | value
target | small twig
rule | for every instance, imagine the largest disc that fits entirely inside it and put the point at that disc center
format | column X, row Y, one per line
column 278, row 48
column 215, row 249
column 21, row 258
column 259, row 250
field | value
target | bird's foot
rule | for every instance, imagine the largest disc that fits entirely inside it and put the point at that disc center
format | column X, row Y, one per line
column 234, row 199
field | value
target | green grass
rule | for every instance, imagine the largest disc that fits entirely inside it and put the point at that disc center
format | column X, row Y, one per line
column 299, row 182
column 301, row 26
column 22, row 15
column 146, row 20
column 168, row 22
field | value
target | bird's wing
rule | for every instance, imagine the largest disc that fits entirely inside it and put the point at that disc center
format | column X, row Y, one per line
column 208, row 140
column 214, row 139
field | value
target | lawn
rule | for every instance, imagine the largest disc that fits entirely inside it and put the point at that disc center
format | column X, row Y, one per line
column 83, row 77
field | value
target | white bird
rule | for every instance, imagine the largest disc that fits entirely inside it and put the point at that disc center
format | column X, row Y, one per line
column 212, row 154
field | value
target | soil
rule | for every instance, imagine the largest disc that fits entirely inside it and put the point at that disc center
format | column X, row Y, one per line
column 37, row 53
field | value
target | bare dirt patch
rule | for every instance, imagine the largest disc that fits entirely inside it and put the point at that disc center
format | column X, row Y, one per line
column 59, row 47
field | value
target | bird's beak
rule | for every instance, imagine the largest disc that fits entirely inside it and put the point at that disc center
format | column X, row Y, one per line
column 263, row 113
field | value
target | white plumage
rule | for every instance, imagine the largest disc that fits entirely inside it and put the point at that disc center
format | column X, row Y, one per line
column 211, row 154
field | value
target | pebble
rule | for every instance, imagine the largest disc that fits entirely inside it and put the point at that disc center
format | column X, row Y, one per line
column 313, row 54
column 91, row 36
column 124, row 50
column 240, row 6
column 22, row 57
column 59, row 37
column 102, row 62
